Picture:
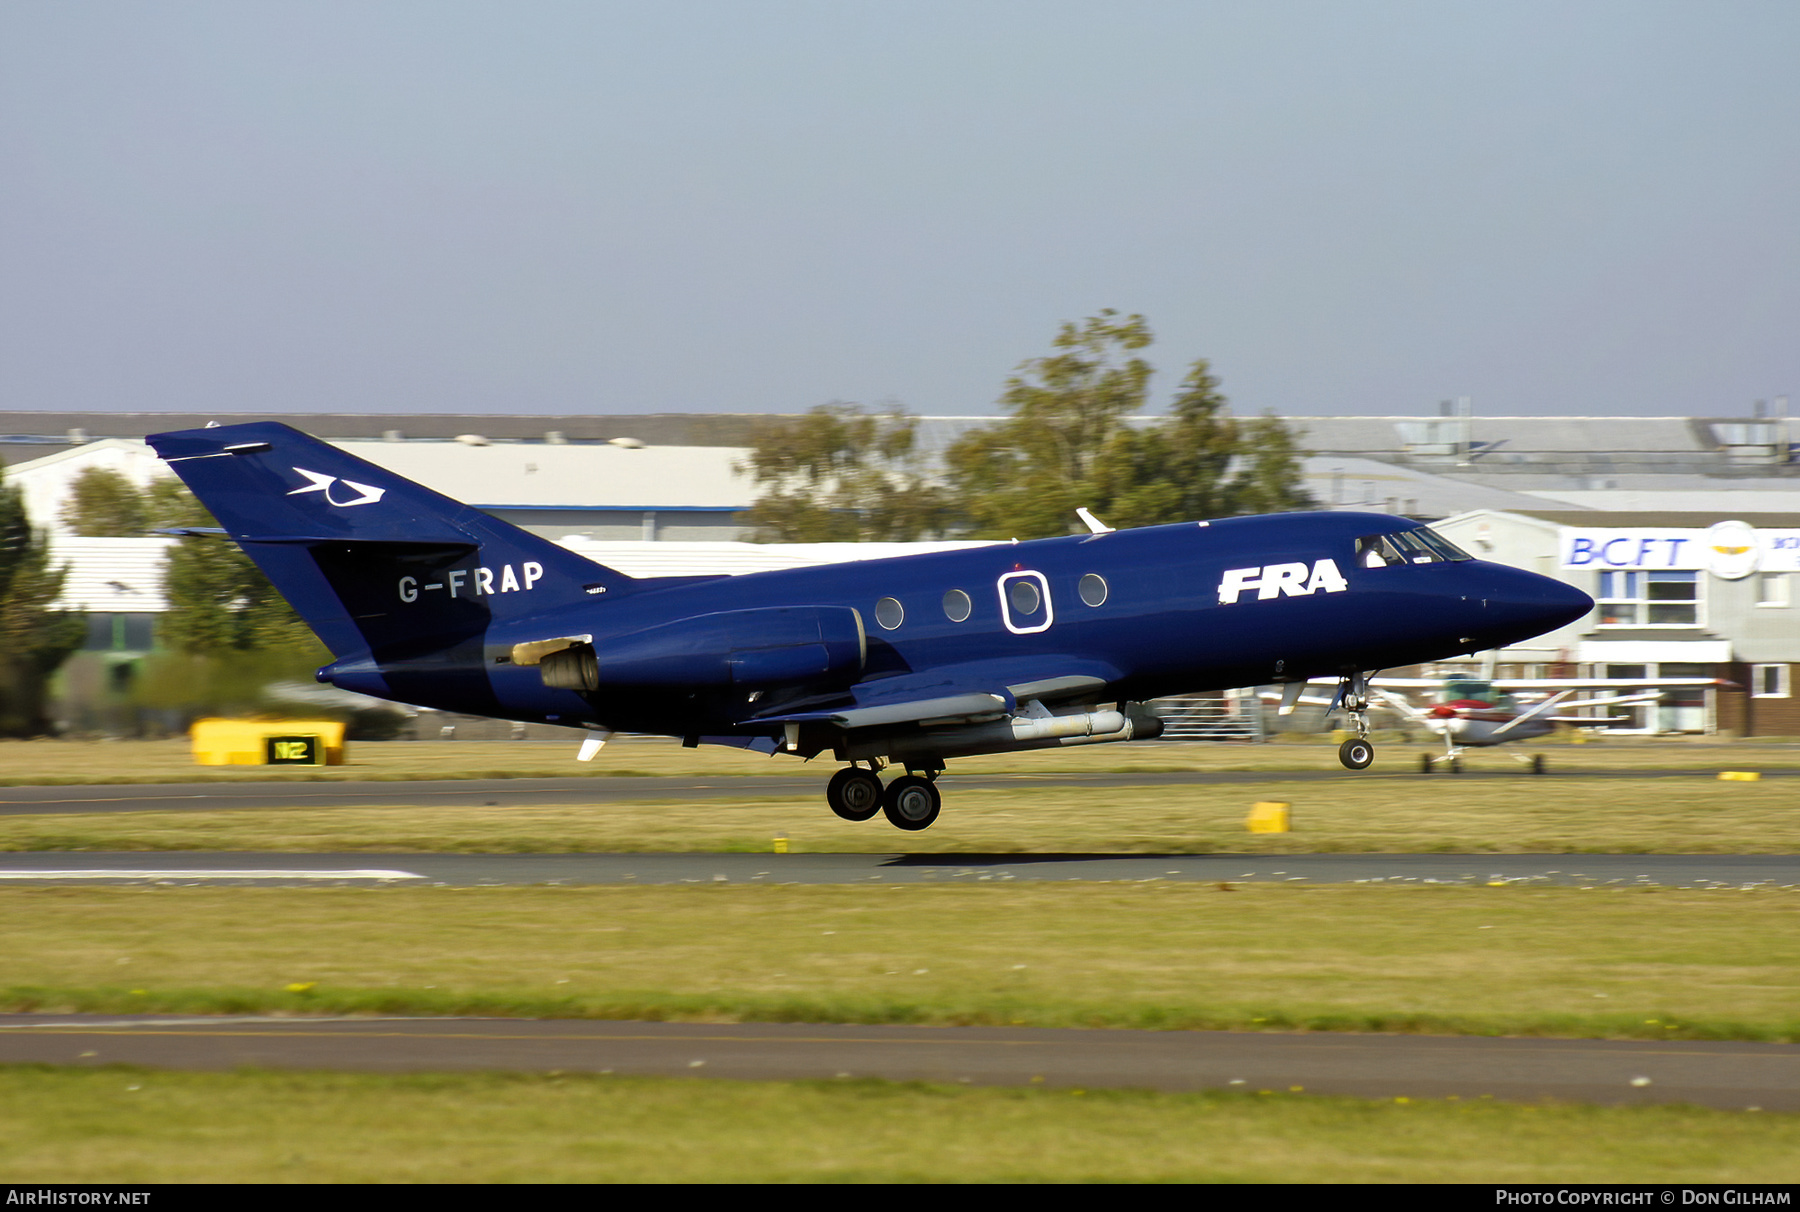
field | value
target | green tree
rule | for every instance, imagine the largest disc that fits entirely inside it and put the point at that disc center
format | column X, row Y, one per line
column 840, row 475
column 1067, row 445
column 219, row 602
column 1270, row 479
column 103, row 502
column 1026, row 476
column 35, row 638
column 226, row 634
column 1200, row 463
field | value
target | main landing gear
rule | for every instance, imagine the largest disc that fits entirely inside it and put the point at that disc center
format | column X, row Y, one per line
column 1353, row 696
column 910, row 802
column 854, row 793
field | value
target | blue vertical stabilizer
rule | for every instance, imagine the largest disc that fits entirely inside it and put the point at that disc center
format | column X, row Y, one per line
column 373, row 562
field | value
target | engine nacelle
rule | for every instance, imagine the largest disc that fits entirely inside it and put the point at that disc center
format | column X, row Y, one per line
column 770, row 646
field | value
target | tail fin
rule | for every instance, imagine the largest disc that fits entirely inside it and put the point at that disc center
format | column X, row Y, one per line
column 372, row 562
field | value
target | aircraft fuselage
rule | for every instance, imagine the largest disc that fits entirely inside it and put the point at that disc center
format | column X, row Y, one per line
column 1151, row 612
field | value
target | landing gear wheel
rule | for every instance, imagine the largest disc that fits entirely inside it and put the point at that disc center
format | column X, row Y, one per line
column 854, row 794
column 1537, row 763
column 1356, row 753
column 1424, row 763
column 1455, row 765
column 911, row 803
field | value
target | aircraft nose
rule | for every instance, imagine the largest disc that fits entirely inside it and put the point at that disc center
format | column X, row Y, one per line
column 1523, row 604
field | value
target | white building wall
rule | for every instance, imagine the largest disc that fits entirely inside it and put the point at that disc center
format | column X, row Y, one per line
column 47, row 482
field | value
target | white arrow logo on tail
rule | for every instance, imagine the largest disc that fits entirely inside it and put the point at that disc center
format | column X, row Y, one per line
column 321, row 483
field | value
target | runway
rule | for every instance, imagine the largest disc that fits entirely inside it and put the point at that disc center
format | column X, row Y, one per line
column 600, row 789
column 1735, row 1076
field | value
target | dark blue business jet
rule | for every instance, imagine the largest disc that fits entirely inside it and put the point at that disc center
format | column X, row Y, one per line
column 906, row 662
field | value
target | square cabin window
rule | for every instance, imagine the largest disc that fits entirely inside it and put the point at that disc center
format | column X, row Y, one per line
column 1650, row 598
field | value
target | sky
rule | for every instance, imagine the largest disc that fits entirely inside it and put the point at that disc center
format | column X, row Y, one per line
column 1580, row 207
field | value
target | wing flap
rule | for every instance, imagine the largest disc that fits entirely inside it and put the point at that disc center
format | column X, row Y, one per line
column 947, row 709
column 971, row 693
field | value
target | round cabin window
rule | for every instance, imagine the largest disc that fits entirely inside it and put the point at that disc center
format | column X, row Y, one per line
column 1024, row 596
column 889, row 613
column 957, row 605
column 1093, row 589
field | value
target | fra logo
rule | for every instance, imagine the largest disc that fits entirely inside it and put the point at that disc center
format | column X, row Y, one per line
column 291, row 751
column 1275, row 580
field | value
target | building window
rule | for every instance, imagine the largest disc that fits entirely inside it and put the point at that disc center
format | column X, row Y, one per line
column 1663, row 598
column 1772, row 589
column 119, row 632
column 1769, row 682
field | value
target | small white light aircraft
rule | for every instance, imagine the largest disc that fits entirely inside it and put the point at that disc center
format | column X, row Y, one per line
column 1475, row 713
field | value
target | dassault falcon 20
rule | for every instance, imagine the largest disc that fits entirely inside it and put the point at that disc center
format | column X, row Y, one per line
column 903, row 662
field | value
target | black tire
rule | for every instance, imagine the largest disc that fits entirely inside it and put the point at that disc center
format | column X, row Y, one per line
column 1425, row 763
column 1455, row 765
column 911, row 803
column 854, row 794
column 1537, row 763
column 1356, row 753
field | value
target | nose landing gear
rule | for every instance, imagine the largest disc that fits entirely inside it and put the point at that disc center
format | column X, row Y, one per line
column 1353, row 697
column 1356, row 753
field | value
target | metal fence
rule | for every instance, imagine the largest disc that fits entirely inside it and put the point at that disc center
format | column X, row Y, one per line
column 1222, row 715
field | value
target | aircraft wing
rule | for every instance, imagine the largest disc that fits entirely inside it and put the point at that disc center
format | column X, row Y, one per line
column 1611, row 701
column 971, row 693
column 1510, row 684
column 1558, row 700
column 1607, row 683
column 1399, row 704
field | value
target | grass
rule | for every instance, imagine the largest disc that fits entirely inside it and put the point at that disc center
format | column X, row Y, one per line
column 1568, row 962
column 1636, row 963
column 56, row 762
column 128, row 1126
column 1355, row 813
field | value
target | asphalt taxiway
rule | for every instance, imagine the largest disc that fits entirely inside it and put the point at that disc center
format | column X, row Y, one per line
column 1736, row 1076
column 590, row 790
column 495, row 870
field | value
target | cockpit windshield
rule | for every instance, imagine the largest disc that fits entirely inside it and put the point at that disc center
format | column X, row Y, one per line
column 1420, row 545
column 1473, row 690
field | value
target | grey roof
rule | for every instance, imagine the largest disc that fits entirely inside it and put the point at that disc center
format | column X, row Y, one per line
column 1337, row 482
column 1495, row 437
column 1547, row 454
column 514, row 474
column 1679, row 495
column 1601, row 519
column 656, row 429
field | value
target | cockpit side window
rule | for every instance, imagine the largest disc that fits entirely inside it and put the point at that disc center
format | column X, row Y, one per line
column 1417, row 546
column 1374, row 551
